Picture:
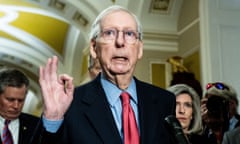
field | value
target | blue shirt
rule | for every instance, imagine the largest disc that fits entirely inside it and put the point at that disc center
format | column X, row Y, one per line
column 232, row 122
column 113, row 97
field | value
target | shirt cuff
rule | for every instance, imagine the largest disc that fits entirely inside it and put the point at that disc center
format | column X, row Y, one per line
column 51, row 125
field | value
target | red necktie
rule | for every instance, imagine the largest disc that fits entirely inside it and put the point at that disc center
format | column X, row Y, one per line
column 130, row 129
column 7, row 137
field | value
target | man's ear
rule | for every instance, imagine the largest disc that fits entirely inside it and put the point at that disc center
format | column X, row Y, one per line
column 140, row 50
column 93, row 51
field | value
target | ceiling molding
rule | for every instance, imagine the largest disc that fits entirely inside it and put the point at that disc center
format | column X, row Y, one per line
column 160, row 42
column 160, row 29
column 161, row 6
column 196, row 21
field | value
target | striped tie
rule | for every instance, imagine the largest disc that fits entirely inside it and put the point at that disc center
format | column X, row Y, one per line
column 7, row 137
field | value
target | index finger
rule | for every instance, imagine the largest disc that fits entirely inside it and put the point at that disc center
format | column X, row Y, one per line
column 50, row 71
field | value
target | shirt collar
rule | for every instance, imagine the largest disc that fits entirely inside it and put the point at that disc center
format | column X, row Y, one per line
column 113, row 92
column 233, row 120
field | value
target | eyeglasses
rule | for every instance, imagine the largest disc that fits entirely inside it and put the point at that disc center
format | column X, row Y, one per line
column 111, row 34
column 217, row 85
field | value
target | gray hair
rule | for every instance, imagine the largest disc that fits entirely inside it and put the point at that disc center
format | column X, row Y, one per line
column 96, row 26
column 196, row 122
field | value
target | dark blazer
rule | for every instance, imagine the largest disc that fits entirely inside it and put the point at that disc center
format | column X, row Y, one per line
column 89, row 119
column 198, row 139
column 27, row 128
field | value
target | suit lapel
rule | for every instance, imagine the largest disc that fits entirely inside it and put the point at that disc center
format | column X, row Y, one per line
column 22, row 130
column 148, row 114
column 100, row 115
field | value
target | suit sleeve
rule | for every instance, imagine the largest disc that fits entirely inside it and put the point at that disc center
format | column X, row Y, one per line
column 42, row 136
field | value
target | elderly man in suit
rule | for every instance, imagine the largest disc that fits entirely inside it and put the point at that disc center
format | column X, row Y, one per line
column 92, row 113
column 13, row 90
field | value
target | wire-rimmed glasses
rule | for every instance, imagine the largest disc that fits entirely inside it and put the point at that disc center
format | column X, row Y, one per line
column 111, row 34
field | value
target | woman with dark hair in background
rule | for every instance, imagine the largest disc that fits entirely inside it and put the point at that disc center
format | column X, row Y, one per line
column 215, row 110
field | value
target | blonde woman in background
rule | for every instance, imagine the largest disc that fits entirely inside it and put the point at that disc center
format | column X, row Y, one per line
column 188, row 112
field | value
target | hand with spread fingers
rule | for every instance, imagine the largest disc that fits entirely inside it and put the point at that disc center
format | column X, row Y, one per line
column 57, row 91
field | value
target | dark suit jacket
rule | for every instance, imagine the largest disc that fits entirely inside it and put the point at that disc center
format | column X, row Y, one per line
column 27, row 128
column 89, row 119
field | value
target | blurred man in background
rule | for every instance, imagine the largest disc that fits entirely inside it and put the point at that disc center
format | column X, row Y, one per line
column 13, row 91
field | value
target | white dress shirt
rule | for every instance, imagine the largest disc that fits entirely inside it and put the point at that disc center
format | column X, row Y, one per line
column 13, row 126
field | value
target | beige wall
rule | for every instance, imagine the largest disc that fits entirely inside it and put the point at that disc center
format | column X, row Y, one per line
column 189, row 43
column 189, row 12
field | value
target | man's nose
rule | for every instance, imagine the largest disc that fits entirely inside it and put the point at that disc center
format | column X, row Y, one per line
column 16, row 104
column 120, row 39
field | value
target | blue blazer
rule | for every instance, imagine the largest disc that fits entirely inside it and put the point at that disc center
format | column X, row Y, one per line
column 89, row 119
